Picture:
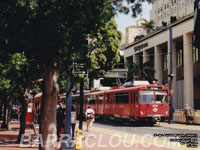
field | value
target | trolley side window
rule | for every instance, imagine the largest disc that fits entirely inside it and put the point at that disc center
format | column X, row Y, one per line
column 122, row 98
column 126, row 98
column 107, row 98
column 100, row 99
column 161, row 97
column 146, row 97
column 91, row 99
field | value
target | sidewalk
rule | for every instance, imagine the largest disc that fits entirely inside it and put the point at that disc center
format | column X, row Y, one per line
column 101, row 139
column 180, row 126
column 8, row 138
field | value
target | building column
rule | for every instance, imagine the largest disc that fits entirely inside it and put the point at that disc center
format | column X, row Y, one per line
column 146, row 56
column 135, row 58
column 188, row 71
column 158, row 64
column 175, row 90
column 174, row 83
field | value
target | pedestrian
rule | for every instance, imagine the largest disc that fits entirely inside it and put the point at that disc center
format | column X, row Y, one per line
column 89, row 117
column 73, row 120
column 188, row 114
column 59, row 119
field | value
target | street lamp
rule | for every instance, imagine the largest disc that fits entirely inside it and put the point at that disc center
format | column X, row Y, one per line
column 171, row 75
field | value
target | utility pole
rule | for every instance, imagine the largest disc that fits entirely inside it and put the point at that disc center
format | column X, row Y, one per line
column 81, row 104
column 69, row 145
column 171, row 74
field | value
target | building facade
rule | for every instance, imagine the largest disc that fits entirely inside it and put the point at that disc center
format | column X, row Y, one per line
column 186, row 60
column 167, row 11
column 135, row 30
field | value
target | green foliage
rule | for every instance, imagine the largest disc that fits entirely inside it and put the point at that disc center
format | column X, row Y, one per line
column 141, row 71
column 150, row 26
column 14, row 73
column 53, row 31
column 103, row 49
column 125, row 6
column 46, row 34
column 11, row 74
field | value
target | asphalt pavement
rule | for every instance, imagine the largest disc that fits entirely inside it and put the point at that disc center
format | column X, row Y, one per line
column 105, row 138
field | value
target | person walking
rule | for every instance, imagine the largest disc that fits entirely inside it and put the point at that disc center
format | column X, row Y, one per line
column 89, row 117
column 188, row 114
column 73, row 120
column 59, row 119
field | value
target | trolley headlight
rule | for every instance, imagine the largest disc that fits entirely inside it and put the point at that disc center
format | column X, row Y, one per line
column 166, row 112
column 141, row 112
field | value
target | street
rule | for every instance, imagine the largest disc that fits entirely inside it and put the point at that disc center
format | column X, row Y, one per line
column 145, row 129
column 145, row 137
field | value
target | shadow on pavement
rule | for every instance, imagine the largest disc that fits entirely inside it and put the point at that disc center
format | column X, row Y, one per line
column 125, row 124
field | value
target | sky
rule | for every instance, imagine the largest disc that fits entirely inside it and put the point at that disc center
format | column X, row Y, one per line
column 124, row 21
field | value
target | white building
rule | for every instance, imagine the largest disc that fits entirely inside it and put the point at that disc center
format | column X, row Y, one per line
column 165, row 10
column 186, row 60
column 135, row 30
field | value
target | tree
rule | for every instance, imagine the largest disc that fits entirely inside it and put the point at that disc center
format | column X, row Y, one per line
column 18, row 77
column 11, row 83
column 50, row 33
column 150, row 26
column 141, row 71
column 104, row 50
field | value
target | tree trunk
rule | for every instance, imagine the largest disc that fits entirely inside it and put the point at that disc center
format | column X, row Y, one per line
column 24, row 104
column 4, row 125
column 9, row 111
column 48, row 110
column 1, row 110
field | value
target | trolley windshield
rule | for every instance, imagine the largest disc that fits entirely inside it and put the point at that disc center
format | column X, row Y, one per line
column 150, row 97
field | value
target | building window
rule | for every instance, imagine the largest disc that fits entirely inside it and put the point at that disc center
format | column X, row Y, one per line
column 179, row 58
column 196, row 55
column 164, row 62
column 164, row 58
column 179, row 54
column 182, row 4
